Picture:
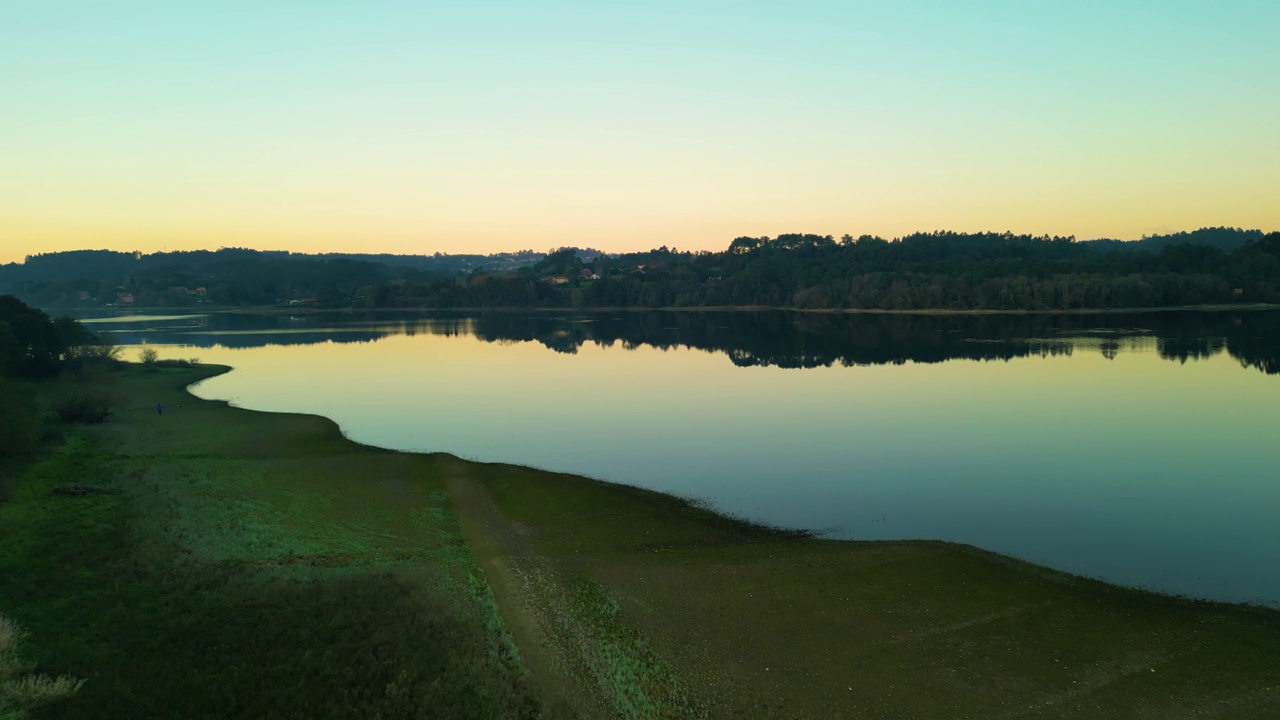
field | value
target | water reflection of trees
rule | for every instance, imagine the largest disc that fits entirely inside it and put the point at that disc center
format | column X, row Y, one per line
column 782, row 339
column 799, row 340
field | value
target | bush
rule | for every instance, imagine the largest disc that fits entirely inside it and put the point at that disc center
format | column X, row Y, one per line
column 83, row 397
column 94, row 354
column 150, row 360
column 88, row 408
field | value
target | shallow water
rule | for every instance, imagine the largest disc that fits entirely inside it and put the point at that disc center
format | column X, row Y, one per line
column 1140, row 449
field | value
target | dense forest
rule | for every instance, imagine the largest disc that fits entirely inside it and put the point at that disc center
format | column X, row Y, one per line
column 939, row 270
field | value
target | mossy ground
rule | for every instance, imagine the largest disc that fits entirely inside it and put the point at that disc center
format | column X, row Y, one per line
column 250, row 565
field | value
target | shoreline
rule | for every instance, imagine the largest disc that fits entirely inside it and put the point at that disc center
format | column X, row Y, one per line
column 709, row 603
column 270, row 551
column 746, row 524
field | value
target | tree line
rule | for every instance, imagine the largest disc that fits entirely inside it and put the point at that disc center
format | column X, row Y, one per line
column 938, row 270
column 947, row 271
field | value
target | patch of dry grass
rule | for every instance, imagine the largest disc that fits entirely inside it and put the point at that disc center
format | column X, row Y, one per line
column 21, row 690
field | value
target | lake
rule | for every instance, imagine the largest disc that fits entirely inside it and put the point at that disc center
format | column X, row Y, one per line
column 1141, row 449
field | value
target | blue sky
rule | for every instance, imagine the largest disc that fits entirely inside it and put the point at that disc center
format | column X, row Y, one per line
column 486, row 126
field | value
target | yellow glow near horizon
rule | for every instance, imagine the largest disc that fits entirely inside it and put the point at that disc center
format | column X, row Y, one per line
column 672, row 221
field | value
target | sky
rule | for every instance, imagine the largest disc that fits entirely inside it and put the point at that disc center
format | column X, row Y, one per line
column 488, row 126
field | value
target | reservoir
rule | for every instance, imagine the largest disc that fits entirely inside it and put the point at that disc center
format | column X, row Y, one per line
column 1140, row 449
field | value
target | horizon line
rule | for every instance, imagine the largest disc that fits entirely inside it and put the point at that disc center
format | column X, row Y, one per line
column 898, row 238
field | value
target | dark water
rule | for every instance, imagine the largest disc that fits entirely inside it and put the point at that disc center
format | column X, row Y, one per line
column 1137, row 448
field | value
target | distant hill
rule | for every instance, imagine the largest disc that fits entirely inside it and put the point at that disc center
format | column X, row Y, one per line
column 110, row 264
column 104, row 265
column 234, row 275
column 206, row 267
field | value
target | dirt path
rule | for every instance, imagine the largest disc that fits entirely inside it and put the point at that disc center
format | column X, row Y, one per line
column 522, row 583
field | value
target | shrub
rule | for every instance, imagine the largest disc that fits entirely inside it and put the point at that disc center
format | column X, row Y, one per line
column 148, row 356
column 100, row 353
column 82, row 397
column 88, row 408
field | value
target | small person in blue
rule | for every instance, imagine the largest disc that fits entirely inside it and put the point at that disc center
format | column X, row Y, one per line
column 159, row 408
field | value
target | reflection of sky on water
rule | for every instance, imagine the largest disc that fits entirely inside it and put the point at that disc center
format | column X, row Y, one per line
column 1093, row 454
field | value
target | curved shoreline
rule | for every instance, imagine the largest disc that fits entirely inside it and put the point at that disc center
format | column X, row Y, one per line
column 625, row 597
column 754, row 527
column 271, row 552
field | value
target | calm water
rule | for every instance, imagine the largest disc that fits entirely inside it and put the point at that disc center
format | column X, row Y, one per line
column 1140, row 449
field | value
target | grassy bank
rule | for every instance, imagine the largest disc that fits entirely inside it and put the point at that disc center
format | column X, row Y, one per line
column 239, row 564
column 229, row 564
column 765, row 626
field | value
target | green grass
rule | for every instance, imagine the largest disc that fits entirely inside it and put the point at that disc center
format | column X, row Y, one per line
column 763, row 625
column 251, row 565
